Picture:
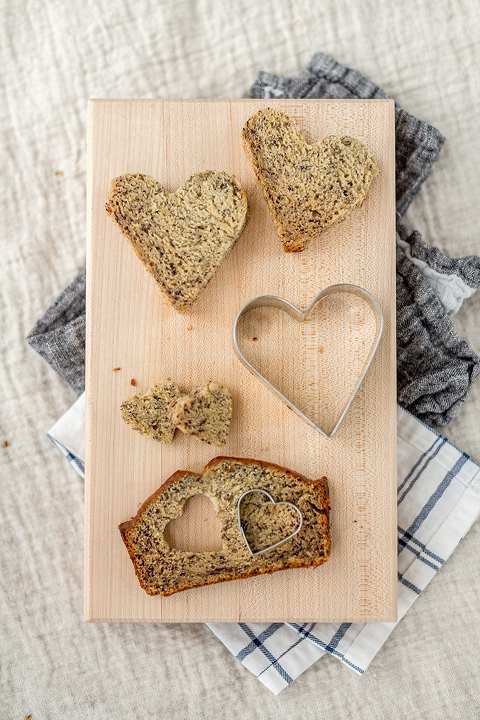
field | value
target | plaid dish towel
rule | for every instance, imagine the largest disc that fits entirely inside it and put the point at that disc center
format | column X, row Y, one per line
column 438, row 485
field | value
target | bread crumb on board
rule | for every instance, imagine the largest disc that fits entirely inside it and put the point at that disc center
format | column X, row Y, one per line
column 132, row 382
column 116, row 369
column 6, row 444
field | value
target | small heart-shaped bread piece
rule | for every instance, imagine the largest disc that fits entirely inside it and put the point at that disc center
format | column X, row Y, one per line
column 266, row 523
column 149, row 413
column 308, row 188
column 206, row 413
column 183, row 237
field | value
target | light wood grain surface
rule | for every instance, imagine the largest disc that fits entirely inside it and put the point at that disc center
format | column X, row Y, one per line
column 131, row 327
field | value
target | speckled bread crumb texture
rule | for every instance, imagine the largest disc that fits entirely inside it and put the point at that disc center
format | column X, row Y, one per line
column 183, row 237
column 148, row 413
column 308, row 188
column 164, row 570
column 206, row 413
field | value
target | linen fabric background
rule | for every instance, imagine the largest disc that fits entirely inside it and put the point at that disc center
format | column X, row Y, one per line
column 438, row 497
column 54, row 56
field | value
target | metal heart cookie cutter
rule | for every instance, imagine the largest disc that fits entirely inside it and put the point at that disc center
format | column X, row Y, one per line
column 301, row 315
column 253, row 553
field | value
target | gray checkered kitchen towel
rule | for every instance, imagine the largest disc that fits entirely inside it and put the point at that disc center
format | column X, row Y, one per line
column 438, row 485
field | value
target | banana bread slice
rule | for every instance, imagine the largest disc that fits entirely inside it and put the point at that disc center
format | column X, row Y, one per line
column 149, row 413
column 205, row 413
column 183, row 237
column 308, row 188
column 164, row 570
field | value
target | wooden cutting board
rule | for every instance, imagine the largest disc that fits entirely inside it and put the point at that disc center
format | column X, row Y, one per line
column 134, row 334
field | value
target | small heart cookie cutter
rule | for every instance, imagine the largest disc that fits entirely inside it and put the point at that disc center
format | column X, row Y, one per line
column 280, row 542
column 301, row 316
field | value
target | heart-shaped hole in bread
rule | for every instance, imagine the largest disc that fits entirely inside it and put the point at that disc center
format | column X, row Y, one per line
column 197, row 529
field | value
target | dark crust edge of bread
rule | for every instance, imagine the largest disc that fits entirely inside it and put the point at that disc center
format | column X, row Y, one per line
column 321, row 485
column 300, row 243
column 110, row 210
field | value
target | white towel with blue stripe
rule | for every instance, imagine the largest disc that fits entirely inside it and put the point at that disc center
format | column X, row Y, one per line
column 438, row 501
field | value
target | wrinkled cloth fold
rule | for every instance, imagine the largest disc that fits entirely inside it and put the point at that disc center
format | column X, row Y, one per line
column 59, row 336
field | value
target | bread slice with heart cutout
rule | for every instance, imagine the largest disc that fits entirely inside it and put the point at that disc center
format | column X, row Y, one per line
column 308, row 188
column 182, row 237
column 164, row 570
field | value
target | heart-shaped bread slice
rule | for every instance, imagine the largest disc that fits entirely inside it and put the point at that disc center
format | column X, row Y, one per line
column 183, row 237
column 308, row 188
column 149, row 413
column 205, row 413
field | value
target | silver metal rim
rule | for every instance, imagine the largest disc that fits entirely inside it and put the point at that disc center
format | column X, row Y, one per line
column 281, row 502
column 301, row 316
